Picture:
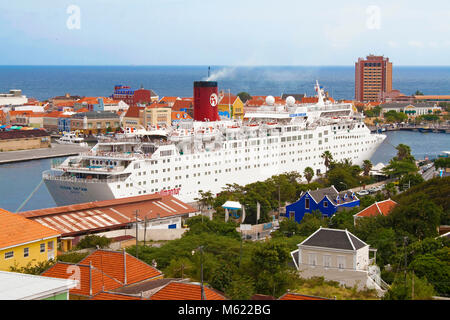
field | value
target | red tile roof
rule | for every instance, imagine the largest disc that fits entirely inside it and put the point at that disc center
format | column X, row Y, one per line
column 112, row 264
column 17, row 230
column 181, row 104
column 178, row 290
column 82, row 110
column 133, row 112
column 108, row 214
column 382, row 207
column 100, row 281
column 169, row 99
column 296, row 296
column 226, row 99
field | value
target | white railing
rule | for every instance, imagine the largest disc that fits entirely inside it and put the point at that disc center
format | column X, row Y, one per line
column 50, row 176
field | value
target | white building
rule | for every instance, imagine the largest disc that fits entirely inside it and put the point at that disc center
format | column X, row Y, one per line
column 13, row 98
column 338, row 255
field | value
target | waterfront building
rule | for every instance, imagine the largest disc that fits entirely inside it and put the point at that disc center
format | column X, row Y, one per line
column 24, row 242
column 338, row 255
column 184, row 105
column 373, row 76
column 14, row 140
column 327, row 200
column 432, row 98
column 20, row 286
column 378, row 208
column 133, row 117
column 95, row 122
column 411, row 109
column 13, row 98
column 103, row 270
column 134, row 97
column 100, row 104
column 157, row 114
column 231, row 104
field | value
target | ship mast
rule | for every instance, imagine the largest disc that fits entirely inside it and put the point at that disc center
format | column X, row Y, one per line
column 319, row 94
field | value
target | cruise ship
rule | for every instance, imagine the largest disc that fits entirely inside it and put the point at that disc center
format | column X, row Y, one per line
column 209, row 153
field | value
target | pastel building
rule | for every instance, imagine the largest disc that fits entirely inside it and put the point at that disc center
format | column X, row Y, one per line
column 327, row 200
column 24, row 242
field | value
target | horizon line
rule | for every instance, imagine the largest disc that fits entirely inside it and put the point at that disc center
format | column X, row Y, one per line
column 195, row 65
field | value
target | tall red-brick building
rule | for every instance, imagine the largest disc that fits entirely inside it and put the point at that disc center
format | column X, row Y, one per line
column 373, row 78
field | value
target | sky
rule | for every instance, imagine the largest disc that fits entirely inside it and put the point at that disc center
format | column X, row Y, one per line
column 223, row 32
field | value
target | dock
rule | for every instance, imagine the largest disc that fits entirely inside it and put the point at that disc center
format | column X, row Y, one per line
column 57, row 150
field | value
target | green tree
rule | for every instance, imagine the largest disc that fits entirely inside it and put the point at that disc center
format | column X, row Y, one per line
column 410, row 180
column 240, row 288
column 308, row 173
column 92, row 241
column 311, row 222
column 403, row 153
column 367, row 166
column 327, row 159
column 33, row 268
column 442, row 163
column 400, row 290
column 418, row 93
column 244, row 96
column 222, row 277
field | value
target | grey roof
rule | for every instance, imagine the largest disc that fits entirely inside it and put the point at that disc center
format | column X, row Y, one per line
column 145, row 286
column 332, row 194
column 96, row 115
column 334, row 239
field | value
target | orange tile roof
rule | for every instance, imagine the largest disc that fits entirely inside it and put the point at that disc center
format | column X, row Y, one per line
column 112, row 264
column 382, row 207
column 133, row 112
column 181, row 104
column 17, row 230
column 114, row 296
column 100, row 281
column 158, row 105
column 226, row 99
column 182, row 115
column 82, row 110
column 53, row 114
column 296, row 296
column 256, row 101
column 66, row 103
column 177, row 290
column 169, row 99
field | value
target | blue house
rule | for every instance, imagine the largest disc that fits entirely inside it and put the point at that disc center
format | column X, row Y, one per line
column 327, row 200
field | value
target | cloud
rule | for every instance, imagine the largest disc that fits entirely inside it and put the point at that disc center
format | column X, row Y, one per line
column 415, row 43
column 393, row 44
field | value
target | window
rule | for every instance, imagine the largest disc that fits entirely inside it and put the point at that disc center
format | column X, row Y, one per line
column 341, row 262
column 306, row 203
column 325, row 204
column 326, row 261
column 26, row 252
column 9, row 254
column 312, row 259
column 42, row 247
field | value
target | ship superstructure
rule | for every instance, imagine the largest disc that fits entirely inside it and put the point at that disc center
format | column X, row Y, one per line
column 208, row 155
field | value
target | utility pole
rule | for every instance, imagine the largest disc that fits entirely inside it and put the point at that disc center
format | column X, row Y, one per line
column 412, row 293
column 201, row 270
column 145, row 229
column 136, row 212
column 406, row 258
column 279, row 203
column 240, row 252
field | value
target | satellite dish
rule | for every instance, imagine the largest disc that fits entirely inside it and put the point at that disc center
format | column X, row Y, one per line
column 270, row 100
column 290, row 101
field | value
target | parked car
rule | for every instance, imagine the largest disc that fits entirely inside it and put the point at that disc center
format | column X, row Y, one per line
column 372, row 190
column 362, row 193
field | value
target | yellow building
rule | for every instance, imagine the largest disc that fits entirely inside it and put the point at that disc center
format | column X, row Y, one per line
column 24, row 242
column 157, row 114
column 233, row 104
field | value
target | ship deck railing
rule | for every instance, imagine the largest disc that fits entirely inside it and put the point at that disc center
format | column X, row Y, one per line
column 51, row 176
column 80, row 167
column 116, row 155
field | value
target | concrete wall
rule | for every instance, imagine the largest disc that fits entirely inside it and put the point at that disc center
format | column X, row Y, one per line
column 151, row 234
column 24, row 144
column 347, row 256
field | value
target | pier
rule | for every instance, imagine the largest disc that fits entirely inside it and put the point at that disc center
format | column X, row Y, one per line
column 435, row 129
column 57, row 150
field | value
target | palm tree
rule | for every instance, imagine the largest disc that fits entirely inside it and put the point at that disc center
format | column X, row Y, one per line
column 308, row 173
column 367, row 166
column 328, row 158
column 403, row 152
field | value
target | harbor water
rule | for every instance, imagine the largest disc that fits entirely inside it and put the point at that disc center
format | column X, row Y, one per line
column 18, row 180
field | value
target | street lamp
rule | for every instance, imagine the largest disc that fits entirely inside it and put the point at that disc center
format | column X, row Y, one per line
column 201, row 270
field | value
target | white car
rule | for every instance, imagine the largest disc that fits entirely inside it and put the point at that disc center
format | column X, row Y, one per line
column 362, row 193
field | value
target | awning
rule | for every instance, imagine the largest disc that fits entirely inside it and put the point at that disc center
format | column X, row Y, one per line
column 232, row 205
